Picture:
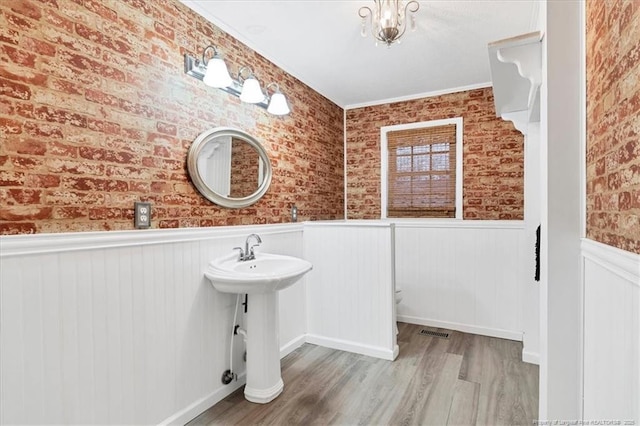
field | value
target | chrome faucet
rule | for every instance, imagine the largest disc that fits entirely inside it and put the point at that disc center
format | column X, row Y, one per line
column 248, row 253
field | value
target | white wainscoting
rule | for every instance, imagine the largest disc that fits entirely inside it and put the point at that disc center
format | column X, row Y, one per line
column 350, row 291
column 122, row 327
column 463, row 275
column 611, row 333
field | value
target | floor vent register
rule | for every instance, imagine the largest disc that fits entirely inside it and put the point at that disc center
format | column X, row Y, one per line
column 443, row 335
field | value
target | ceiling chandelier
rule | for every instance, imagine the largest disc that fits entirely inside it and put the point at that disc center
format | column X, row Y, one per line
column 388, row 19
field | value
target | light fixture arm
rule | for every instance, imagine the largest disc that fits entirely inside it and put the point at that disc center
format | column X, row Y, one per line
column 241, row 79
column 277, row 89
column 205, row 60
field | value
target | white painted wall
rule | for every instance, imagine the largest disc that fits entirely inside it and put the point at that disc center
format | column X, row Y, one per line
column 611, row 333
column 350, row 291
column 122, row 327
column 463, row 275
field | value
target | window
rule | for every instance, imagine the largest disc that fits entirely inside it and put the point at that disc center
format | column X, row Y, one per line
column 421, row 163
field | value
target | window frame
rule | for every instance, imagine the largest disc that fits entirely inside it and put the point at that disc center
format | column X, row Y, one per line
column 384, row 164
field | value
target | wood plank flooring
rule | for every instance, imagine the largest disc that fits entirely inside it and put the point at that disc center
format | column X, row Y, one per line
column 463, row 380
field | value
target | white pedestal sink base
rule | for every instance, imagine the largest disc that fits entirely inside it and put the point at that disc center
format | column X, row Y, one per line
column 263, row 396
column 264, row 382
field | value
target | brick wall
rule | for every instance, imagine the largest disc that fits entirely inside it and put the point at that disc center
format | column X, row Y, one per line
column 96, row 113
column 613, row 123
column 493, row 155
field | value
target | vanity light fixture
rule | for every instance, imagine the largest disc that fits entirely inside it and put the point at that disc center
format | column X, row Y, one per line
column 278, row 104
column 388, row 19
column 213, row 71
column 217, row 73
column 251, row 91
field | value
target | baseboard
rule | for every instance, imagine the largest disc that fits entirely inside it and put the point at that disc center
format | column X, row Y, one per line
column 531, row 357
column 292, row 345
column 466, row 328
column 358, row 348
column 201, row 405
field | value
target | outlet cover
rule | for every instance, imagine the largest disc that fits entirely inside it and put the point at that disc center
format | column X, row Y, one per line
column 142, row 215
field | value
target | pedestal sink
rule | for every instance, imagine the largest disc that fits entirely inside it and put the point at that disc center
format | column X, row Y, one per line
column 261, row 278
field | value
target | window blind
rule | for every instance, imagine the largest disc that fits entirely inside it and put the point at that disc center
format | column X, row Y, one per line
column 422, row 172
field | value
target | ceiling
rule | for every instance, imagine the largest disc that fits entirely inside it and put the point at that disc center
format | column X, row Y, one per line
column 319, row 43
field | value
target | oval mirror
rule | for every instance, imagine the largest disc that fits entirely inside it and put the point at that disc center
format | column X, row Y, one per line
column 229, row 167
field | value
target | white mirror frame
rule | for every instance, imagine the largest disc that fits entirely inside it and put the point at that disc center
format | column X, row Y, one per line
column 206, row 191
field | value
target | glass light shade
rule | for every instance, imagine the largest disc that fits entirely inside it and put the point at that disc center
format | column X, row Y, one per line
column 217, row 74
column 251, row 92
column 278, row 105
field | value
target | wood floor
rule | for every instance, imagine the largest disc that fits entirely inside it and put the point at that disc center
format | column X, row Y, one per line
column 463, row 380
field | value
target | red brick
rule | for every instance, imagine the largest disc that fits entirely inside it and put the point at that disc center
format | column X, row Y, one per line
column 99, row 8
column 16, row 228
column 104, row 213
column 94, row 184
column 59, row 21
column 69, row 213
column 26, row 146
column 10, row 127
column 42, row 181
column 53, row 115
column 26, row 8
column 9, row 35
column 14, row 90
column 103, row 126
column 14, row 213
column 39, row 46
column 18, row 56
column 164, row 30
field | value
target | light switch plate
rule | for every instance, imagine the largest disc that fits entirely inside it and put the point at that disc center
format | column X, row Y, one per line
column 142, row 215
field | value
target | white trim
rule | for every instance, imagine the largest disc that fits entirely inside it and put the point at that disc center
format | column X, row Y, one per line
column 623, row 263
column 348, row 346
column 344, row 164
column 354, row 223
column 384, row 161
column 292, row 345
column 421, row 95
column 583, row 119
column 466, row 328
column 582, row 142
column 534, row 24
column 455, row 223
column 30, row 244
column 200, row 406
column 530, row 357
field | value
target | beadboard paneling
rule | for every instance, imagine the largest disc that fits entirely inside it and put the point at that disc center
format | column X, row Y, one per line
column 350, row 291
column 465, row 275
column 611, row 333
column 123, row 328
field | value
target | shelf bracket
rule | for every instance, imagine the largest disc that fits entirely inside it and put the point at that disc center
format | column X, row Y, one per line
column 516, row 71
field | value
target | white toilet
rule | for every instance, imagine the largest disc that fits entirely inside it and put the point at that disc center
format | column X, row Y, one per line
column 398, row 300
